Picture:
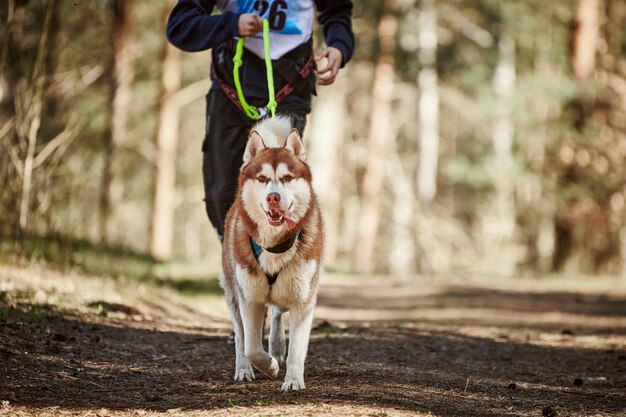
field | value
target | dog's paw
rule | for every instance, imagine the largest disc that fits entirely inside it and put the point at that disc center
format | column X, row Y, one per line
column 272, row 371
column 293, row 384
column 266, row 364
column 244, row 373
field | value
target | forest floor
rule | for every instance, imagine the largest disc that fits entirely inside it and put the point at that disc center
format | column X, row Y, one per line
column 73, row 343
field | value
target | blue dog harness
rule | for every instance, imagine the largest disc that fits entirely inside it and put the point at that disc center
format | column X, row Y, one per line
column 280, row 248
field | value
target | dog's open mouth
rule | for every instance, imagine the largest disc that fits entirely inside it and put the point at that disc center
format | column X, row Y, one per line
column 276, row 217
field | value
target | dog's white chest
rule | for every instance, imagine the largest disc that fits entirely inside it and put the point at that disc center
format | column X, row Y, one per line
column 294, row 285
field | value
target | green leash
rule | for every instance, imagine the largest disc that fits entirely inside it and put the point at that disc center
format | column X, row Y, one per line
column 251, row 111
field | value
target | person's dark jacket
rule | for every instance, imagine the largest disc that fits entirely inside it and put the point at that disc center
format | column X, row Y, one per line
column 191, row 27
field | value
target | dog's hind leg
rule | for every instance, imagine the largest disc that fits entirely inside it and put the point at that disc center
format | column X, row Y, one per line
column 277, row 344
column 252, row 315
column 300, row 321
column 243, row 367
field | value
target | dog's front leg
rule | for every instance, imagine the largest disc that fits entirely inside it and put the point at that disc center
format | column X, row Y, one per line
column 253, row 315
column 300, row 321
column 277, row 343
column 243, row 367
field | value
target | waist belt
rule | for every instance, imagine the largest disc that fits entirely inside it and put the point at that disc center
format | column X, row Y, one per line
column 295, row 68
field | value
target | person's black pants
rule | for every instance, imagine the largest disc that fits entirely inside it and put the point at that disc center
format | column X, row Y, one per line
column 226, row 134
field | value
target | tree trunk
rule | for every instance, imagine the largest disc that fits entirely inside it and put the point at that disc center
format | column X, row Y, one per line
column 166, row 151
column 327, row 130
column 428, row 103
column 10, row 162
column 30, row 108
column 585, row 38
column 122, row 76
column 537, row 199
column 379, row 134
column 501, row 222
column 402, row 252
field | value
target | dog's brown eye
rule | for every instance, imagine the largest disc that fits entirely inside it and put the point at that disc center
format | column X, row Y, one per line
column 287, row 178
column 263, row 179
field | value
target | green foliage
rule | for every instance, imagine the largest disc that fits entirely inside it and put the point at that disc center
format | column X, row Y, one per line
column 567, row 155
column 462, row 171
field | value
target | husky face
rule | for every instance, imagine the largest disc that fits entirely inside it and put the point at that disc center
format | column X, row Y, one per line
column 275, row 182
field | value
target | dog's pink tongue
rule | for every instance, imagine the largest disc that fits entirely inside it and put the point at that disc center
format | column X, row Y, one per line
column 291, row 223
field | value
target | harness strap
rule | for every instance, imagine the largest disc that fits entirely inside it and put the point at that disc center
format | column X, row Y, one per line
column 291, row 67
column 228, row 90
column 282, row 247
column 271, row 102
column 280, row 96
column 304, row 73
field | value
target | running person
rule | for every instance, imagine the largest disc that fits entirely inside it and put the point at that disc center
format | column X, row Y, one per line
column 192, row 27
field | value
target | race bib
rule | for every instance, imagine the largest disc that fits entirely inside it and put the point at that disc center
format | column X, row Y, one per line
column 291, row 23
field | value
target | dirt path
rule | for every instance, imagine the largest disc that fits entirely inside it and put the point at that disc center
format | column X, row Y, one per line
column 379, row 348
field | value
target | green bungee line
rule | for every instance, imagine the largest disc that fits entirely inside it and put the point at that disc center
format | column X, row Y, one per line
column 271, row 103
column 249, row 110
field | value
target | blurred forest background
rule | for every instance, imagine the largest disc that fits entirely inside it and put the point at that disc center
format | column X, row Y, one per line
column 464, row 135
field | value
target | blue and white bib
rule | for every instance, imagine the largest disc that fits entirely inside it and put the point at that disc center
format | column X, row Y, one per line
column 291, row 22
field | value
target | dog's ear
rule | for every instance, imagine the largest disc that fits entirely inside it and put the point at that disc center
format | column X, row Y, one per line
column 255, row 144
column 295, row 145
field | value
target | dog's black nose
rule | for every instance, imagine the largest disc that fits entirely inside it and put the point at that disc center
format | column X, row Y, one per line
column 273, row 198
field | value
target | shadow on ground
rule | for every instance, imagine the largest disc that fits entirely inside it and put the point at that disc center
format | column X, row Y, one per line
column 555, row 311
column 53, row 358
column 474, row 297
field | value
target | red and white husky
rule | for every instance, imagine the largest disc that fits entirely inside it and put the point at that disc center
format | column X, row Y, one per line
column 272, row 253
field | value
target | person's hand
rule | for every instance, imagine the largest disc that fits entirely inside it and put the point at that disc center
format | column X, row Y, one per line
column 249, row 24
column 335, row 58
